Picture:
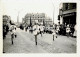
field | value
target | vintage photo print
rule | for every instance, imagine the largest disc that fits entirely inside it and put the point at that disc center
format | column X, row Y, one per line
column 39, row 26
column 39, row 31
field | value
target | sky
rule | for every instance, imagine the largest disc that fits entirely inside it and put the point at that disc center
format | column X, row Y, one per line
column 22, row 7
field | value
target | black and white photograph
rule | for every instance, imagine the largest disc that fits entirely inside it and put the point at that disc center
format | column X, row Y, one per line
column 39, row 26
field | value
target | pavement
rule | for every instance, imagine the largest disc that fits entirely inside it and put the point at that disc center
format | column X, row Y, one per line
column 25, row 43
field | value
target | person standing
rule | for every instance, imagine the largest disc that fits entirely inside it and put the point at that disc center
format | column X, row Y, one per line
column 54, row 32
column 67, row 30
column 75, row 32
column 57, row 29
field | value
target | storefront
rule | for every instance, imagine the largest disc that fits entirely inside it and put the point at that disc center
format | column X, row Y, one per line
column 69, row 18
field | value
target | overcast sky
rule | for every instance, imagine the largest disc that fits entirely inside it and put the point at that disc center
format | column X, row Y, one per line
column 12, row 7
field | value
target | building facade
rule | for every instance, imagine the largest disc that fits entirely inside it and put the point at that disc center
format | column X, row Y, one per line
column 32, row 18
column 48, row 21
column 67, row 14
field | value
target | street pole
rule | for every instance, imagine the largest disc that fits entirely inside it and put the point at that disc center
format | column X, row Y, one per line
column 53, row 23
column 30, row 22
column 18, row 18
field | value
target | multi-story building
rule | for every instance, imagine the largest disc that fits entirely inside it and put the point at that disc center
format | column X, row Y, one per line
column 32, row 18
column 67, row 14
column 48, row 21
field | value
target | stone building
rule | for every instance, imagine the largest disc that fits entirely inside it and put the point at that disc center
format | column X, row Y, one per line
column 48, row 21
column 31, row 18
column 67, row 14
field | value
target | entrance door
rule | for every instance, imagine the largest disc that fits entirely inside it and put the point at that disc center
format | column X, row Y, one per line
column 69, row 20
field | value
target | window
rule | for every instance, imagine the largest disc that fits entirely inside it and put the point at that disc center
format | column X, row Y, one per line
column 40, row 20
column 66, row 6
column 74, row 5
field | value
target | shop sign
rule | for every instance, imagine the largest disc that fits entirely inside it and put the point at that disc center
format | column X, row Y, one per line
column 70, row 14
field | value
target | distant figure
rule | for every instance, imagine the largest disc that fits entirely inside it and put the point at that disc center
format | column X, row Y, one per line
column 57, row 30
column 75, row 32
column 26, row 28
column 67, row 30
column 54, row 33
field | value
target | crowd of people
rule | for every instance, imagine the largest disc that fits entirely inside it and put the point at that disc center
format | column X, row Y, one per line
column 59, row 30
column 39, row 29
column 5, row 30
column 67, row 30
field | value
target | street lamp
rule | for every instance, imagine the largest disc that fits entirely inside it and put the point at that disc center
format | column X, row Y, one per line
column 18, row 18
column 53, row 13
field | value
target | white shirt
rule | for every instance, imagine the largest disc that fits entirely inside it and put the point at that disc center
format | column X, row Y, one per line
column 53, row 32
column 67, row 29
column 36, row 29
column 41, row 28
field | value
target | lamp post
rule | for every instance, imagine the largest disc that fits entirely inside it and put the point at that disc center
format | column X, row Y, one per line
column 53, row 25
column 18, row 18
